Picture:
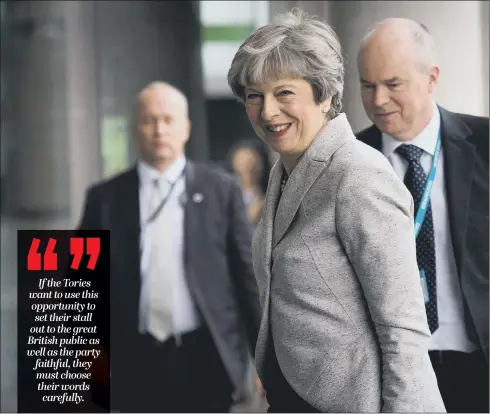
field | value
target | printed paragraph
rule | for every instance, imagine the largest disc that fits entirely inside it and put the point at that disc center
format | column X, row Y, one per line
column 63, row 340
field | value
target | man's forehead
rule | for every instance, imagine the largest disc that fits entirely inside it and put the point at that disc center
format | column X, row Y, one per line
column 162, row 92
column 387, row 50
column 390, row 44
column 394, row 31
column 162, row 96
column 386, row 62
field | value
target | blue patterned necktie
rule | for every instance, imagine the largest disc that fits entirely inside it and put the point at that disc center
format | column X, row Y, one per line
column 415, row 179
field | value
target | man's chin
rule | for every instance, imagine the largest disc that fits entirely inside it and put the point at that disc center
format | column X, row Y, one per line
column 386, row 127
column 164, row 156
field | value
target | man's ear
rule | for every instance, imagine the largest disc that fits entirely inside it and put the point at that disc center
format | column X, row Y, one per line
column 433, row 78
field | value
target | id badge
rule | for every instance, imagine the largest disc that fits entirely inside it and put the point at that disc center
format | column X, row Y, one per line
column 423, row 282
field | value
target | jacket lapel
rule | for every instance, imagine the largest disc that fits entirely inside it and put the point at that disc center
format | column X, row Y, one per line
column 459, row 159
column 192, row 216
column 262, row 253
column 263, row 234
column 298, row 184
column 310, row 166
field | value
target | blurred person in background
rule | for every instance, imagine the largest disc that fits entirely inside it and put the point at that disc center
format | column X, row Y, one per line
column 183, row 295
column 399, row 73
column 246, row 162
column 344, row 326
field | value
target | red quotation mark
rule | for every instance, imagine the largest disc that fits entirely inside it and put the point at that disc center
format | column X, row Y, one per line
column 34, row 258
column 77, row 249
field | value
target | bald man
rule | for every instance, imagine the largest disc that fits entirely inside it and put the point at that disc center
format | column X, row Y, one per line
column 183, row 293
column 427, row 144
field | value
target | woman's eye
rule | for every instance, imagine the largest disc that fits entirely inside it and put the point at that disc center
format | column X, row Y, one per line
column 253, row 96
column 366, row 86
column 285, row 93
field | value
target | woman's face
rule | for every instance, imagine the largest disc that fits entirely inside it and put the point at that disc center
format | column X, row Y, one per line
column 284, row 114
column 245, row 162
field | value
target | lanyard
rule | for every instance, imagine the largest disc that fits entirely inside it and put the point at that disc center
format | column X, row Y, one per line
column 157, row 211
column 424, row 203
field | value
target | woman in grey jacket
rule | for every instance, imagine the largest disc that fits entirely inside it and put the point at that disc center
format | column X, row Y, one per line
column 344, row 327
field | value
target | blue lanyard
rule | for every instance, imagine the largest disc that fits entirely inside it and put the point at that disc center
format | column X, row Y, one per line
column 424, row 203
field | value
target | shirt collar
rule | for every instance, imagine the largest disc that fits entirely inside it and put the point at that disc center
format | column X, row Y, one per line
column 426, row 140
column 147, row 174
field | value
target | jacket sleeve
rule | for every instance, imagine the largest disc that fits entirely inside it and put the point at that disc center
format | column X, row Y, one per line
column 239, row 246
column 374, row 213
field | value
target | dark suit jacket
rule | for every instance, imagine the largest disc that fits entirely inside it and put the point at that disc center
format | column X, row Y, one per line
column 218, row 264
column 465, row 145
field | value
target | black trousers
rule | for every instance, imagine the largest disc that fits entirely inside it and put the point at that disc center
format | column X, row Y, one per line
column 180, row 377
column 463, row 380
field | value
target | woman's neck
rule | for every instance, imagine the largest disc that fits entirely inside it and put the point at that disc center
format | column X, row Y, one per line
column 289, row 161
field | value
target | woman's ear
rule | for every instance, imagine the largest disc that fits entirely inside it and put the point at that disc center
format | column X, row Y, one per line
column 326, row 105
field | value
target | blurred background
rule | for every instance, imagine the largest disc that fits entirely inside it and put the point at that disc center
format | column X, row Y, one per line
column 70, row 72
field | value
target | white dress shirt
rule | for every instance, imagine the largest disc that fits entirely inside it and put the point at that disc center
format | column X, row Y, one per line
column 185, row 315
column 451, row 334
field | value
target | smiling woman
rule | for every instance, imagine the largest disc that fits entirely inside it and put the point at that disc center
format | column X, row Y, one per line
column 285, row 115
column 334, row 251
column 291, row 87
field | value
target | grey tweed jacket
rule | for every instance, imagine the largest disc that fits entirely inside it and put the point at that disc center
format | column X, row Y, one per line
column 339, row 283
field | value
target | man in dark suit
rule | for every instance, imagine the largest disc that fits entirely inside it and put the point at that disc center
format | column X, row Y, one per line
column 398, row 74
column 183, row 298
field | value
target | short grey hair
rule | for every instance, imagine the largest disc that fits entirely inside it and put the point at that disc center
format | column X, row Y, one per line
column 295, row 46
column 422, row 39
